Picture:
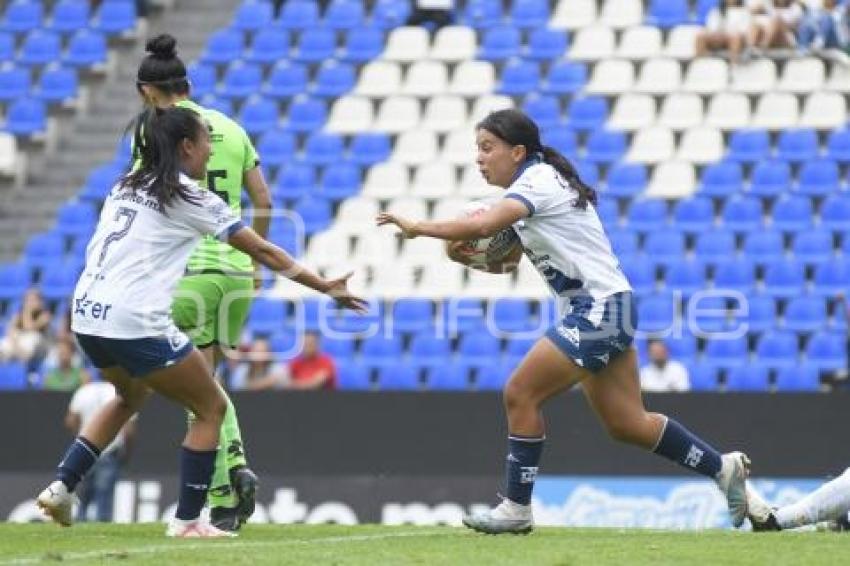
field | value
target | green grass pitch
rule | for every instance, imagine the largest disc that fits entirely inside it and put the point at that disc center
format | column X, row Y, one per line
column 375, row 544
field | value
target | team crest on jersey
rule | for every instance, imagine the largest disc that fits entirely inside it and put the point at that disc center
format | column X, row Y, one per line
column 177, row 340
column 570, row 333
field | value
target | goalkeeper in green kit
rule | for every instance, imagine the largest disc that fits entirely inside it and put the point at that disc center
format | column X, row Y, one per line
column 212, row 301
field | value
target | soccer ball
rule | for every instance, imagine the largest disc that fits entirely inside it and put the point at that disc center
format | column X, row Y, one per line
column 484, row 251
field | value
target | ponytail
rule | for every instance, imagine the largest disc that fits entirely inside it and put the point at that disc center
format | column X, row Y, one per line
column 562, row 165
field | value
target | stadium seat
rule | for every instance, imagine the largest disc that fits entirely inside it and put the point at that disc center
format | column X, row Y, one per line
column 14, row 82
column 341, row 349
column 832, row 278
column 519, row 77
column 587, row 113
column 764, row 246
column 640, row 273
column 686, row 276
column 593, row 43
column 101, row 180
column 835, row 212
column 492, row 376
column 777, row 349
column 277, row 147
column 770, row 178
column 517, row 348
column 306, row 114
column 529, row 14
column 672, row 180
column 681, row 111
column 13, row 376
column 838, row 145
column 258, row 114
column 721, row 179
column 707, row 313
column 611, row 77
column 701, row 145
column 426, row 78
column 69, row 16
column 203, row 78
column 624, row 242
column 827, row 351
column 399, row 376
column 776, row 110
column 40, row 48
column 681, row 42
column 241, row 80
column 727, row 353
column 315, row 213
column 286, row 79
column 58, row 280
column 323, row 149
column 799, row 144
column 656, row 313
column 369, row 149
column 86, row 49
column 647, row 215
column 638, row 43
column 757, row 77
column 784, row 278
column 707, row 75
column 813, row 247
column 652, row 145
column 694, row 215
column 398, row 114
column 574, row 15
column 298, row 15
column 252, row 16
column 379, row 79
column 340, row 181
column 445, row 113
column 564, row 77
column 818, row 177
column 15, row 279
column 625, row 180
column 663, row 245
column 7, row 46
column 545, row 44
column 500, row 43
column 759, row 313
column 668, row 13
column 805, row 314
column 26, row 117
column 481, row 14
column 407, row 44
column 792, row 213
column 451, row 376
column 736, row 274
column 608, row 210
column 362, row 44
column 390, row 13
column 453, row 44
column 412, row 315
column 797, row 378
column 703, row 377
column 749, row 145
column 605, row 146
column 269, row 45
column 751, row 377
column 219, row 104
column 352, row 376
column 380, row 351
column 267, row 315
column 428, row 350
column 511, row 315
column 315, row 45
column 714, row 245
column 544, row 109
column 114, row 18
column 728, row 111
column 824, row 110
column 75, row 219
column 344, row 15
column 22, row 17
column 742, row 214
column 660, row 77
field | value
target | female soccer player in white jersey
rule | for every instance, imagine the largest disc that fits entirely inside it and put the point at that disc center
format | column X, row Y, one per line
column 830, row 502
column 150, row 223
column 553, row 213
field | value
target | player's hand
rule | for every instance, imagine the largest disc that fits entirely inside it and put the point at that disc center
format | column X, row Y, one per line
column 458, row 252
column 407, row 227
column 338, row 290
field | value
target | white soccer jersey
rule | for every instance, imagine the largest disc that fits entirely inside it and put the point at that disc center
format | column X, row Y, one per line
column 567, row 245
column 136, row 258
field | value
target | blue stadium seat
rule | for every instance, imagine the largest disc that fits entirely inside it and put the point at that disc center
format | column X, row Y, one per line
column 203, row 78
column 268, row 315
column 500, row 43
column 75, row 219
column 668, row 13
column 15, row 279
column 284, row 344
column 101, row 180
column 306, row 114
column 835, row 212
column 605, row 146
column 764, row 247
column 715, row 245
column 7, row 46
column 777, row 349
column 759, row 313
column 14, row 82
column 298, row 15
column 737, row 274
column 608, row 211
column 334, row 79
column 750, row 377
column 362, row 45
column 268, row 46
column 223, row 47
column 286, row 79
column 69, row 15
column 682, row 347
column 390, row 13
column 462, row 315
column 838, row 145
column 727, row 352
column 721, row 179
column 827, row 351
column 58, row 280
column 685, row 275
column 708, row 313
column 512, row 315
column 340, row 348
column 452, row 376
column 22, row 16
column 481, row 14
column 380, row 351
column 640, row 273
column 588, row 172
column 353, row 376
column 399, row 376
column 832, row 278
column 350, row 322
column 528, row 14
column 819, row 177
column 26, row 117
column 114, row 18
column 694, row 215
column 545, row 44
column 252, row 15
column 626, row 180
column 798, row 144
column 565, row 77
column 587, row 113
column 647, row 214
column 294, row 180
column 749, row 145
column 562, row 139
column 519, row 77
column 315, row 45
column 814, row 246
column 703, row 7
column 429, row 350
column 703, row 377
column 805, row 314
column 241, row 80
column 624, row 242
column 517, row 348
column 315, row 212
column 340, row 181
column 323, row 148
column 478, row 348
column 13, row 376
column 802, row 377
column 664, row 245
column 86, row 49
column 286, row 235
column 40, row 48
column 344, row 14
column 656, row 312
column 792, row 214
column 258, row 114
column 742, row 214
column 784, row 278
column 770, row 178
column 312, row 313
column 492, row 376
column 544, row 109
column 413, row 315
column 369, row 148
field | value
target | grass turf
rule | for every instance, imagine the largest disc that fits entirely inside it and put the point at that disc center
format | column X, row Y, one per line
column 375, row 544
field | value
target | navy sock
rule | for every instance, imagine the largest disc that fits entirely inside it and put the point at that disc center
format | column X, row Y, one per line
column 78, row 460
column 521, row 469
column 196, row 470
column 686, row 449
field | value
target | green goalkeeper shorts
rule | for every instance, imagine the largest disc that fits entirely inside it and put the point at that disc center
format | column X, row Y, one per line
column 212, row 308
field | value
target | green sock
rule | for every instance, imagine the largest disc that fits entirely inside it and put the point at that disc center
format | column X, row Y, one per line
column 234, row 449
column 230, row 454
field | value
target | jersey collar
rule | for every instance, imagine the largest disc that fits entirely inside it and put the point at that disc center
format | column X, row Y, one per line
column 533, row 159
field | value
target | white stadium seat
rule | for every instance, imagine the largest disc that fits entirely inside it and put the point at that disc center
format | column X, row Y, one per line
column 611, row 77
column 351, row 115
column 621, row 14
column 459, row 147
column 441, row 278
column 651, row 145
column 756, row 77
column 660, row 76
column 593, row 43
column 681, row 111
column 421, row 251
column 640, row 43
column 701, row 145
column 328, row 248
column 573, row 14
column 8, row 155
column 803, row 75
column 473, row 78
column 434, row 180
column 356, row 215
column 776, row 110
column 381, row 243
column 398, row 114
column 706, row 76
column 449, row 208
column 839, row 78
column 728, row 111
column 445, row 113
column 824, row 110
column 681, row 43
column 486, row 285
column 415, row 147
column 632, row 112
column 379, row 79
column 407, row 44
column 488, row 103
column 426, row 78
column 529, row 284
column 472, row 184
column 386, row 180
column 453, row 44
column 409, row 206
column 392, row 280
column 672, row 180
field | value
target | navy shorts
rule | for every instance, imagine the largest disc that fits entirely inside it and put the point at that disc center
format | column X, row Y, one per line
column 139, row 356
column 592, row 346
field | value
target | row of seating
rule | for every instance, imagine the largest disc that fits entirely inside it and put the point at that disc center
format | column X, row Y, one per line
column 55, row 83
column 112, row 17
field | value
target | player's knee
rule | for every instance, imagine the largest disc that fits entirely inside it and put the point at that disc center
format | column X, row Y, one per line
column 515, row 397
column 623, row 430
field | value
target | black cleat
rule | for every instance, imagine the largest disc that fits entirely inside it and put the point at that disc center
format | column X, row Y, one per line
column 225, row 518
column 244, row 483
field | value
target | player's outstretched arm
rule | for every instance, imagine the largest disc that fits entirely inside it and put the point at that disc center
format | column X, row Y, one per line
column 497, row 218
column 276, row 259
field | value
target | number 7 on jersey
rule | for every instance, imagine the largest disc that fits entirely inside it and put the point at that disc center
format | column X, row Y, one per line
column 129, row 216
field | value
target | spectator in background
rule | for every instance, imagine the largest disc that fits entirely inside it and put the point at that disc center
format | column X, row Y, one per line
column 312, row 369
column 726, row 27
column 26, row 335
column 260, row 371
column 68, row 373
column 98, row 487
column 775, row 25
column 662, row 373
column 825, row 28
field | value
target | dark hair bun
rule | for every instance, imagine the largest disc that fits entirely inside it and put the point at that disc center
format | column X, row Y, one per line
column 162, row 46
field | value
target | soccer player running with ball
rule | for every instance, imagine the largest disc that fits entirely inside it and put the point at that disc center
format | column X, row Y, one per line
column 214, row 296
column 553, row 213
column 151, row 222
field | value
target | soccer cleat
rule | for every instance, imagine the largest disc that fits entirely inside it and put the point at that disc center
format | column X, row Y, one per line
column 244, row 483
column 506, row 517
column 57, row 502
column 225, row 518
column 196, row 528
column 732, row 481
column 760, row 514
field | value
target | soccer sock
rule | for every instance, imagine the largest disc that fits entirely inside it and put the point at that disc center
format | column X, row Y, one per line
column 196, row 468
column 234, row 449
column 829, row 501
column 686, row 449
column 78, row 460
column 521, row 469
column 221, row 492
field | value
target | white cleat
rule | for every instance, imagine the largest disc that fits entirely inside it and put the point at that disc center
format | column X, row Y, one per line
column 57, row 503
column 761, row 515
column 732, row 481
column 196, row 528
column 506, row 517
